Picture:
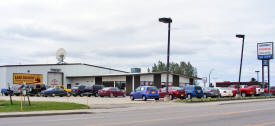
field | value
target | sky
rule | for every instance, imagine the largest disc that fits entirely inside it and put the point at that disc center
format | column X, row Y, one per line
column 122, row 34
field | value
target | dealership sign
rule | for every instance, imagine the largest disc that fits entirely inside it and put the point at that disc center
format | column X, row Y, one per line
column 265, row 50
column 20, row 78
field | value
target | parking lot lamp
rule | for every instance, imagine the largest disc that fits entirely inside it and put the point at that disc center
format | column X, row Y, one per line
column 240, row 36
column 169, row 21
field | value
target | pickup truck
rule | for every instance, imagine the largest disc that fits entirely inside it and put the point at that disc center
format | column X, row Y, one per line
column 245, row 91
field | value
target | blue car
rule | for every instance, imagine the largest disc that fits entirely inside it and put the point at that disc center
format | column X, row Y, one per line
column 6, row 92
column 144, row 93
column 193, row 91
column 57, row 91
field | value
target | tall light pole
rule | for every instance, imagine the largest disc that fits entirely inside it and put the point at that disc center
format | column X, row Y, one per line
column 240, row 36
column 169, row 21
column 257, row 75
column 209, row 76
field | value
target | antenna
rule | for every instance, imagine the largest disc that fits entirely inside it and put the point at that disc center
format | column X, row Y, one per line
column 60, row 55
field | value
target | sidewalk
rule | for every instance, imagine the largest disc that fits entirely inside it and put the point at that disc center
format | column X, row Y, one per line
column 124, row 107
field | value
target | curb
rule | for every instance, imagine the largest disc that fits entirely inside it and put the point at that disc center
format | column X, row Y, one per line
column 42, row 113
column 249, row 101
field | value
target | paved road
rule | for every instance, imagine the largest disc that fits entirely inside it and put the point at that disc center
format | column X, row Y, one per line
column 202, row 114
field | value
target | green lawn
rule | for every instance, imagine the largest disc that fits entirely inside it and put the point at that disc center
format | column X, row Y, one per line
column 5, row 106
column 195, row 100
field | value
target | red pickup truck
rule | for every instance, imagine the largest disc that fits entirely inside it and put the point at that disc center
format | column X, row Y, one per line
column 272, row 90
column 245, row 91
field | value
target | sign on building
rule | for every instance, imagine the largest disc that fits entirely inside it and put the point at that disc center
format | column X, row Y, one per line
column 20, row 78
column 265, row 50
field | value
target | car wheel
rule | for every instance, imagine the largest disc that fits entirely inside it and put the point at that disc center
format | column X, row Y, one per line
column 156, row 99
column 96, row 94
column 68, row 94
column 53, row 95
column 132, row 98
column 61, row 95
column 81, row 95
column 124, row 95
column 243, row 94
column 171, row 97
column 89, row 95
column 189, row 96
column 144, row 98
column 74, row 95
column 111, row 95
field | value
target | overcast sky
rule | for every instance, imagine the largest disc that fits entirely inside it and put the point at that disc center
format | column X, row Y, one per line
column 122, row 34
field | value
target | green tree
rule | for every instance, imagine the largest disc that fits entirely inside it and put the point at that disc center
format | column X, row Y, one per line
column 177, row 68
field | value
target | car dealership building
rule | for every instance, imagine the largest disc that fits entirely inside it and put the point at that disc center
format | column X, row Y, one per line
column 72, row 74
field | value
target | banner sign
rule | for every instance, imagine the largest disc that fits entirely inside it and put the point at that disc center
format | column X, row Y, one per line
column 265, row 50
column 20, row 78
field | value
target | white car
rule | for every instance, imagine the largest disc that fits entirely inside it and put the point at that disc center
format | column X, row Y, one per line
column 226, row 92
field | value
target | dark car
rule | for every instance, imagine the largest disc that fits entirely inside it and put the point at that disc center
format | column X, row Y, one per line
column 57, row 91
column 210, row 92
column 35, row 89
column 78, row 90
column 92, row 90
column 173, row 92
column 193, row 91
column 144, row 93
column 6, row 92
column 111, row 91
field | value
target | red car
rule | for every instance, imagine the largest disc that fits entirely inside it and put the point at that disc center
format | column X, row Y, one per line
column 272, row 90
column 111, row 91
column 173, row 92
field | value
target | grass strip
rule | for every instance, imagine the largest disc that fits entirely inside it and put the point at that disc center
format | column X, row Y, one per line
column 5, row 106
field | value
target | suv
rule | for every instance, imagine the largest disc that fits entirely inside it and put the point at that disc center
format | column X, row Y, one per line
column 78, row 90
column 144, row 93
column 193, row 91
column 92, row 90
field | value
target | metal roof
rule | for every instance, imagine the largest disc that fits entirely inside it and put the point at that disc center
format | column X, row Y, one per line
column 62, row 65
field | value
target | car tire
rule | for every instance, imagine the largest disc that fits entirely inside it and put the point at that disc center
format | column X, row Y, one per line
column 156, row 99
column 74, row 95
column 96, row 94
column 68, row 95
column 132, row 98
column 171, row 97
column 89, row 95
column 189, row 96
column 81, row 95
column 144, row 98
column 111, row 95
column 53, row 94
column 243, row 94
column 124, row 95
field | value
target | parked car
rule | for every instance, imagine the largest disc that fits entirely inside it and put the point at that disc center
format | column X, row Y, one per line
column 225, row 92
column 259, row 90
column 144, row 93
column 193, row 91
column 35, row 89
column 272, row 90
column 246, row 90
column 56, row 91
column 210, row 92
column 17, row 89
column 6, row 92
column 111, row 91
column 78, row 90
column 92, row 90
column 173, row 92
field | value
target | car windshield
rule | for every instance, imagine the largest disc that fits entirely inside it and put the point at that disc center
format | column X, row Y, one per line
column 152, row 88
column 105, row 89
column 197, row 87
column 177, row 88
column 50, row 89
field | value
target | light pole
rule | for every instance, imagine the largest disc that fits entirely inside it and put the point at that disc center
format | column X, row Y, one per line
column 169, row 21
column 257, row 75
column 240, row 36
column 209, row 76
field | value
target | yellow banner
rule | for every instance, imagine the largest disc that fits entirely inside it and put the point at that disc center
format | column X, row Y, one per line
column 19, row 78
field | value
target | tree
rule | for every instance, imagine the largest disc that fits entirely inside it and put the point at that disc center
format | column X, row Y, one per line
column 253, row 79
column 177, row 68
